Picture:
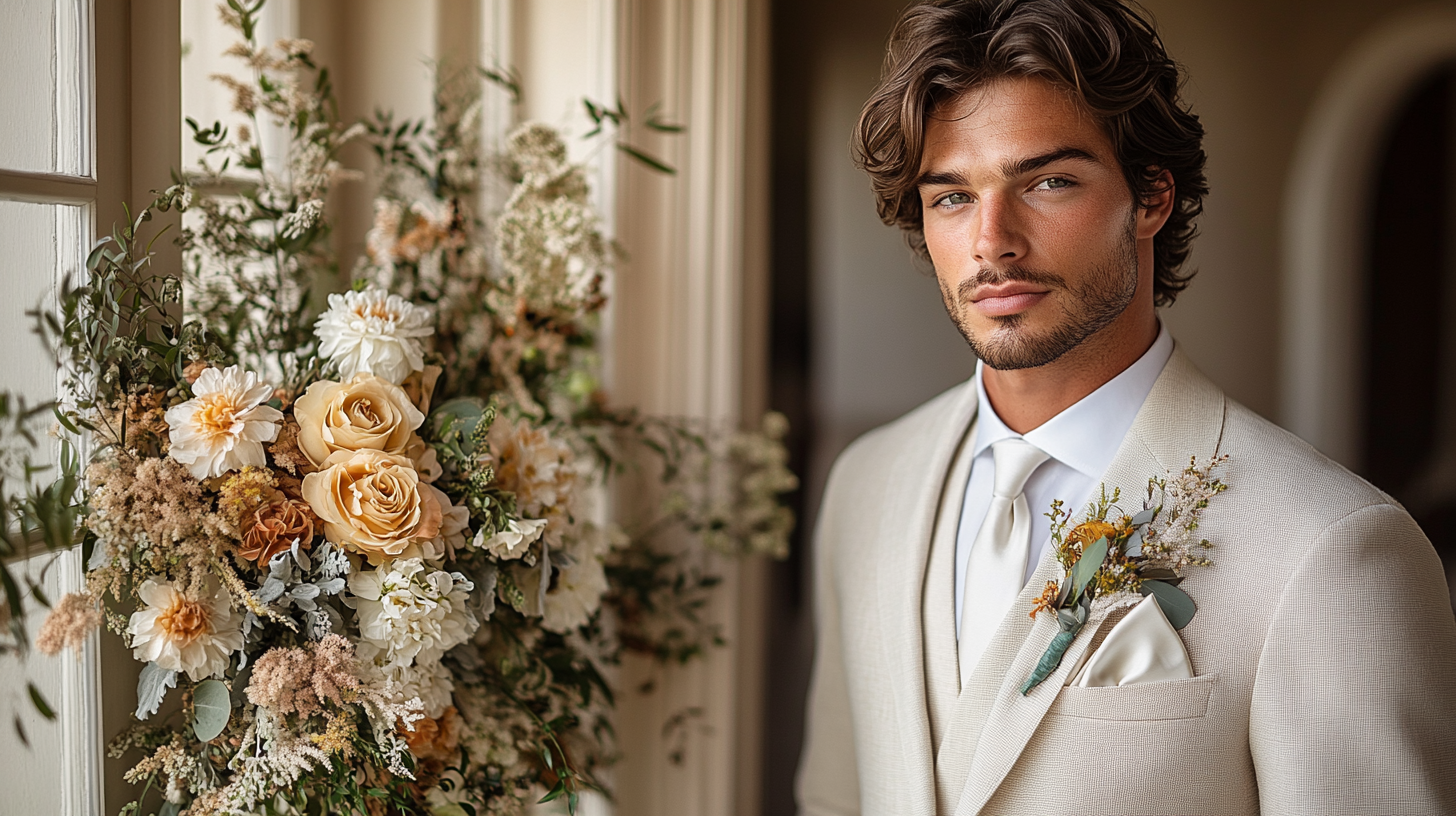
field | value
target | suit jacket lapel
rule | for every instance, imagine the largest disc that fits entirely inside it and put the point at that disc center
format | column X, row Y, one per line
column 900, row 580
column 1182, row 417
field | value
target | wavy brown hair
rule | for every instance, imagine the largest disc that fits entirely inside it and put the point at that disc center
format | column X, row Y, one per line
column 1105, row 52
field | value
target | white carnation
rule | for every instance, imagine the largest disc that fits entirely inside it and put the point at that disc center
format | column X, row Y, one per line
column 412, row 613
column 373, row 332
column 513, row 540
column 430, row 683
column 578, row 590
column 224, row 425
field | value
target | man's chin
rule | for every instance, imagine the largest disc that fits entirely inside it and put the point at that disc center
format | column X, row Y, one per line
column 1013, row 349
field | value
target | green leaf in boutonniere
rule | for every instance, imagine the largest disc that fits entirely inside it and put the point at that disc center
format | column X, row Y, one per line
column 1115, row 559
column 1177, row 606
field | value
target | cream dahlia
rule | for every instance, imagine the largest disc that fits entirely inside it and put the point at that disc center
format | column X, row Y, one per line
column 577, row 594
column 182, row 634
column 373, row 332
column 529, row 462
column 224, row 425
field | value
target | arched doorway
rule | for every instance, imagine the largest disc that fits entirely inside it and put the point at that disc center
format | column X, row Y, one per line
column 1408, row 399
column 1369, row 364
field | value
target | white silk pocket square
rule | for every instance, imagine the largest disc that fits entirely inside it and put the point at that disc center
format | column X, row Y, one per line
column 1143, row 647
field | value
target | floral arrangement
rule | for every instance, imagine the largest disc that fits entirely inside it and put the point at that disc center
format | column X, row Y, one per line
column 1114, row 562
column 357, row 534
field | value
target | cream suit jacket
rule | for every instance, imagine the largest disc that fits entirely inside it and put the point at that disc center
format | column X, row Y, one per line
column 1324, row 646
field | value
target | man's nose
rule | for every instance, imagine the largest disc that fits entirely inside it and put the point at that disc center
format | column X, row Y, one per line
column 999, row 237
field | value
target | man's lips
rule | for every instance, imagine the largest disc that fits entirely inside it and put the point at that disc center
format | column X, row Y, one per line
column 1007, row 299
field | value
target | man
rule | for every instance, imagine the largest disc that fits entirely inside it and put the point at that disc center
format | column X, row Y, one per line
column 1037, row 152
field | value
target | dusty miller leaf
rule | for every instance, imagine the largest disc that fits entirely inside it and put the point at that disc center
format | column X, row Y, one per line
column 152, row 687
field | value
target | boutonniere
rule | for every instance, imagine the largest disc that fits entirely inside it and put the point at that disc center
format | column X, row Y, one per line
column 1114, row 560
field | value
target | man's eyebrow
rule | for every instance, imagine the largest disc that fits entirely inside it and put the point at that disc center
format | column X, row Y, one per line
column 1008, row 169
column 948, row 178
column 1031, row 164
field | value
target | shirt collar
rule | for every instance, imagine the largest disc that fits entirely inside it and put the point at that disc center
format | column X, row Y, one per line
column 1085, row 436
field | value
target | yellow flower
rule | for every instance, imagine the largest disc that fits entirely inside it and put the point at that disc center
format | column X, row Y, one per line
column 1086, row 534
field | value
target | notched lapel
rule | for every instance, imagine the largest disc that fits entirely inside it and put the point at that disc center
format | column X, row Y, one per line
column 1182, row 417
column 920, row 473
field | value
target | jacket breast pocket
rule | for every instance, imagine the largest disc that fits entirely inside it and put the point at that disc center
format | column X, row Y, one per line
column 1164, row 700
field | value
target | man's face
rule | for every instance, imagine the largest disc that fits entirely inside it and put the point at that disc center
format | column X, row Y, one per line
column 1029, row 222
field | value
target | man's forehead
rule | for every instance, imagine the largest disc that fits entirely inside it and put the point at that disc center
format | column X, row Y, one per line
column 1008, row 119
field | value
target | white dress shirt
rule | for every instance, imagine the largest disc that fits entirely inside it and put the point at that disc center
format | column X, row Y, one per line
column 1081, row 441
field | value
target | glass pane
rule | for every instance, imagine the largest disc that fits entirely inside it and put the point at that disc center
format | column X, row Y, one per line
column 43, row 242
column 204, row 39
column 45, row 80
column 55, row 756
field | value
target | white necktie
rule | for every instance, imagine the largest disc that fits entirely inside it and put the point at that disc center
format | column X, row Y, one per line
column 996, row 568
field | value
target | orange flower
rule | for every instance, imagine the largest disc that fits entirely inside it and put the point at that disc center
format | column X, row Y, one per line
column 1086, row 534
column 435, row 738
column 1048, row 597
column 275, row 527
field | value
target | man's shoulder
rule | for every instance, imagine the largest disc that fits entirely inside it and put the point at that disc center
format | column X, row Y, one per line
column 1269, row 461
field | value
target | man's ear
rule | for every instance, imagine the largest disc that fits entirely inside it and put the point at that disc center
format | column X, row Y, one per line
column 1156, row 207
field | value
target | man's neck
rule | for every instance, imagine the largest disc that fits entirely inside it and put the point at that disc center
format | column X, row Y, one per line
column 1028, row 397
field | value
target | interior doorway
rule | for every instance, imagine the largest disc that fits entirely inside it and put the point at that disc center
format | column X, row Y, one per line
column 1409, row 385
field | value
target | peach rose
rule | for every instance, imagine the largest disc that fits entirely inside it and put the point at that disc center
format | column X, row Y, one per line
column 420, row 386
column 364, row 413
column 373, row 503
column 275, row 526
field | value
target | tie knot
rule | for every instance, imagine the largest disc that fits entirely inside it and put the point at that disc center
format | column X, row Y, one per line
column 1016, row 459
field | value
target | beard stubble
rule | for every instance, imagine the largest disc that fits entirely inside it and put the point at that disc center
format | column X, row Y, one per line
column 1104, row 294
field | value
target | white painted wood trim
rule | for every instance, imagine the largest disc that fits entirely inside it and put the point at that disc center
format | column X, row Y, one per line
column 1325, row 225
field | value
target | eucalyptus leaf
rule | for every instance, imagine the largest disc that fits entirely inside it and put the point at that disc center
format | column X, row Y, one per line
column 152, row 687
column 1175, row 603
column 39, row 701
column 1134, row 546
column 1145, row 516
column 1087, row 566
column 212, row 705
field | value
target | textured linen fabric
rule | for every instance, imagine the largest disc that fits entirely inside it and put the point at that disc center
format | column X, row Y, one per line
column 1324, row 648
